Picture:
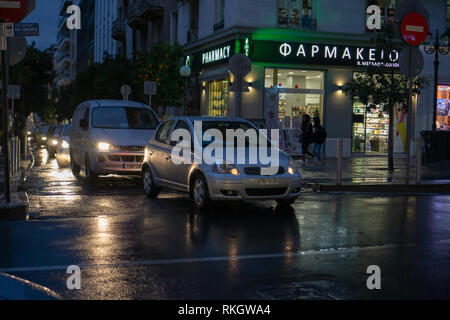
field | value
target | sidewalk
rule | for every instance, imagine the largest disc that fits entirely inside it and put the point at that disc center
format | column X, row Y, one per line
column 372, row 170
column 17, row 209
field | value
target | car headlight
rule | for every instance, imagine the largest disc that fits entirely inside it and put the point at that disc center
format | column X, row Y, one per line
column 54, row 142
column 292, row 167
column 65, row 145
column 103, row 146
column 44, row 138
column 225, row 168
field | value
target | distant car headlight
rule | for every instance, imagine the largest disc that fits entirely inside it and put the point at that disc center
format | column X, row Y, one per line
column 54, row 142
column 292, row 167
column 44, row 138
column 225, row 168
column 65, row 145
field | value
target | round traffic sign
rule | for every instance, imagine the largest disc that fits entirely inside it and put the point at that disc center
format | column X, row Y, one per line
column 414, row 29
column 12, row 11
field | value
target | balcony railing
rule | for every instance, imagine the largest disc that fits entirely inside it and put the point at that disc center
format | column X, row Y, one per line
column 118, row 30
column 144, row 10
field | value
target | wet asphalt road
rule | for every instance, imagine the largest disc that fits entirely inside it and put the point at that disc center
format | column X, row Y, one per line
column 129, row 247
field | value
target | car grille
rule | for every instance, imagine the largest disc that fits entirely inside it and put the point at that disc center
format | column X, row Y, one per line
column 118, row 158
column 256, row 171
column 132, row 148
column 266, row 192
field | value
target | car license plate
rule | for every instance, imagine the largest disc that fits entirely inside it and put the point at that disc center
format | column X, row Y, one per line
column 132, row 166
column 268, row 181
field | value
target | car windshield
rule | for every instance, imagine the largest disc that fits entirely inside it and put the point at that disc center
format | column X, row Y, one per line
column 66, row 131
column 223, row 126
column 124, row 118
column 57, row 131
column 43, row 130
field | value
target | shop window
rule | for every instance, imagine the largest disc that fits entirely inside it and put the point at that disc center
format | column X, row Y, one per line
column 370, row 129
column 296, row 13
column 217, row 97
column 443, row 108
column 300, row 92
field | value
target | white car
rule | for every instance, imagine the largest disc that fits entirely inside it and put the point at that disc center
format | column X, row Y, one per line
column 109, row 137
column 221, row 180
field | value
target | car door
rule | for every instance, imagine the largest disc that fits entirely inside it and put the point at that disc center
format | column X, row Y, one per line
column 161, row 158
column 179, row 172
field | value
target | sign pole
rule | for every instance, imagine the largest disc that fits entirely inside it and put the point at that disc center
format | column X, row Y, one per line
column 5, row 112
column 409, row 115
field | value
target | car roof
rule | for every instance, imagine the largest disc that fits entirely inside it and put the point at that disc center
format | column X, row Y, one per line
column 116, row 103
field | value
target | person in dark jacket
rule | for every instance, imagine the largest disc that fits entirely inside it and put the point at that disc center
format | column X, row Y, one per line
column 307, row 136
column 319, row 138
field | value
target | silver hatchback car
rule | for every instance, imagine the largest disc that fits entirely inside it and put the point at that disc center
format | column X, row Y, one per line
column 219, row 179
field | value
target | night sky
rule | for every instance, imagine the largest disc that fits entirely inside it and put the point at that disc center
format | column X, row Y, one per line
column 46, row 14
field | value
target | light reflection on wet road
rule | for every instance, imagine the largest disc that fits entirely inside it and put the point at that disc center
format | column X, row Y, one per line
column 132, row 248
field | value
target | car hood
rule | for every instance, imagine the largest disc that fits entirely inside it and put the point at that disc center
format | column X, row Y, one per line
column 123, row 137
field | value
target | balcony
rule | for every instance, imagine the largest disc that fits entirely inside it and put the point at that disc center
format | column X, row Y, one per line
column 118, row 30
column 143, row 11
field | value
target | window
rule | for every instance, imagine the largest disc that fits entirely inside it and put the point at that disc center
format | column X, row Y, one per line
column 164, row 132
column 302, row 93
column 296, row 13
column 217, row 98
column 390, row 10
column 219, row 15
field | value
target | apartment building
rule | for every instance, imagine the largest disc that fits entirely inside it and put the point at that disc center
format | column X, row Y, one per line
column 302, row 52
column 65, row 57
column 142, row 23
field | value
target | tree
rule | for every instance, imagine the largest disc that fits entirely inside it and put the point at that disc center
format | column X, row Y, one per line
column 162, row 65
column 34, row 74
column 377, row 88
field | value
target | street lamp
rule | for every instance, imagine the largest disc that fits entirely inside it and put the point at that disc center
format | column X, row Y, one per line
column 185, row 72
column 441, row 45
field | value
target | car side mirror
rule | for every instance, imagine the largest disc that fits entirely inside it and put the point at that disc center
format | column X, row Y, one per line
column 84, row 124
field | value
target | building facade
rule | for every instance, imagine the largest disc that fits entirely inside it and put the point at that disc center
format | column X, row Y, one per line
column 65, row 57
column 302, row 53
column 142, row 23
column 104, row 44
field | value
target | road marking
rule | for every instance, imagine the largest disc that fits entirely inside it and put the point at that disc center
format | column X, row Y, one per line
column 157, row 262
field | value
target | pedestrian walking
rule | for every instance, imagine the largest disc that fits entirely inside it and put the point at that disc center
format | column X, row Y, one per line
column 319, row 138
column 306, row 137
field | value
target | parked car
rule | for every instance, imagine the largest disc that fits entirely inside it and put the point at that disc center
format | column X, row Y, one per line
column 109, row 137
column 52, row 139
column 63, row 147
column 221, row 180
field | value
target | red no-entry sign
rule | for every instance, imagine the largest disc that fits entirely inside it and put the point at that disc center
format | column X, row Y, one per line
column 414, row 29
column 12, row 11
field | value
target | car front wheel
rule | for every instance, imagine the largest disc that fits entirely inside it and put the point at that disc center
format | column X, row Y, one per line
column 149, row 187
column 91, row 176
column 74, row 167
column 200, row 193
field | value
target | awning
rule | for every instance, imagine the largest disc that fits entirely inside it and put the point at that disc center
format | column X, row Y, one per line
column 214, row 74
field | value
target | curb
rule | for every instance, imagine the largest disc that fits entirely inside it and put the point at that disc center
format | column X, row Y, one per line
column 17, row 209
column 15, row 288
column 393, row 188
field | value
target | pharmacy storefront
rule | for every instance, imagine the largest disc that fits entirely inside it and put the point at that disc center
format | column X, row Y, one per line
column 292, row 79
